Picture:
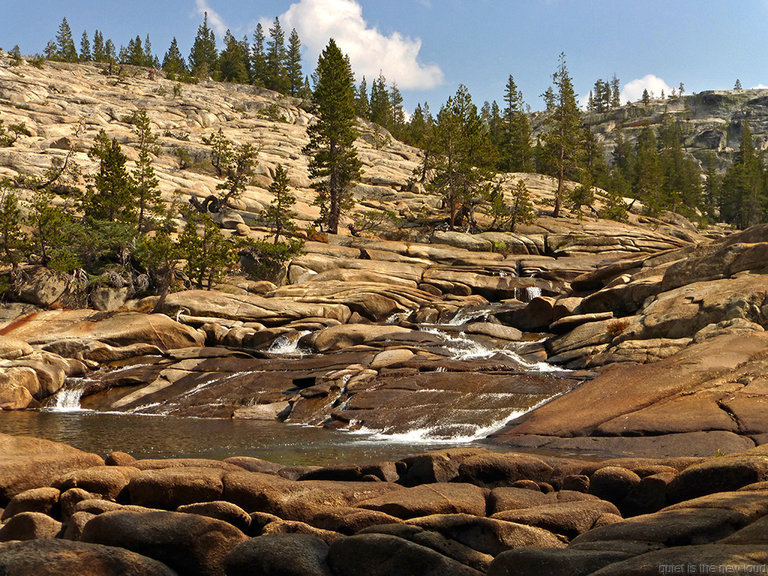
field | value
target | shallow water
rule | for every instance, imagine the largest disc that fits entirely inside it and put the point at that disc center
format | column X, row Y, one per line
column 169, row 437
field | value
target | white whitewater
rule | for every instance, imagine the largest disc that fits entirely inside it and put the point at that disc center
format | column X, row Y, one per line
column 532, row 292
column 463, row 433
column 67, row 399
column 285, row 346
column 461, row 347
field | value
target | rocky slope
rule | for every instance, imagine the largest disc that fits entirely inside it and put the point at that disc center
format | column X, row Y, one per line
column 711, row 121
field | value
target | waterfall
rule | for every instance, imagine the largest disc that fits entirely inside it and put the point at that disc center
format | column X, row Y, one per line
column 464, row 315
column 67, row 399
column 284, row 345
column 532, row 292
column 461, row 347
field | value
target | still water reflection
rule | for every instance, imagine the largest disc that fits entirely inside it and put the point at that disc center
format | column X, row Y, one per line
column 169, row 437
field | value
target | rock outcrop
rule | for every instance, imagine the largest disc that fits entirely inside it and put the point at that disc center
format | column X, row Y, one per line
column 409, row 522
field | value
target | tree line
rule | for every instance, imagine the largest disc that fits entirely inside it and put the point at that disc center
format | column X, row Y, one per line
column 269, row 61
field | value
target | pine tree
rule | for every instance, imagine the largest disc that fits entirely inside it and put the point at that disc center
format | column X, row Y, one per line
column 146, row 189
column 203, row 58
column 279, row 213
column 134, row 54
column 515, row 150
column 65, row 45
column 258, row 58
column 111, row 196
column 519, row 211
column 208, row 254
column 362, row 104
column 333, row 164
column 743, row 196
column 85, row 48
column 12, row 239
column 381, row 107
column 109, row 47
column 99, row 52
column 420, row 125
column 646, row 98
column 563, row 137
column 397, row 114
column 461, row 156
column 233, row 61
column 277, row 75
column 47, row 223
column 648, row 178
column 737, row 86
column 173, row 62
column 239, row 172
column 51, row 50
column 293, row 64
column 615, row 92
column 148, row 59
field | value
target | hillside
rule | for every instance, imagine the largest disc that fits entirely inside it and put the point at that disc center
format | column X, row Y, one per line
column 711, row 121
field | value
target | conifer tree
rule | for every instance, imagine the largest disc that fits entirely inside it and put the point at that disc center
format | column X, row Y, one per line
column 563, row 137
column 99, row 51
column 111, row 55
column 648, row 172
column 233, row 61
column 134, row 54
column 293, row 64
column 397, row 114
column 743, row 196
column 461, row 157
column 173, row 63
column 277, row 75
column 51, row 50
column 65, row 45
column 280, row 212
column 258, row 58
column 48, row 223
column 203, row 58
column 208, row 254
column 85, row 48
column 148, row 59
column 111, row 195
column 12, row 238
column 380, row 105
column 615, row 92
column 239, row 172
column 146, row 192
column 515, row 149
column 333, row 164
column 420, row 125
column 362, row 104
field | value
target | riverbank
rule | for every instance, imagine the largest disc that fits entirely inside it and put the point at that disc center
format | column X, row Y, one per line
column 459, row 511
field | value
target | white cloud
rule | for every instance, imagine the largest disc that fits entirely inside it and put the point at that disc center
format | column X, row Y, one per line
column 369, row 50
column 760, row 87
column 633, row 90
column 214, row 20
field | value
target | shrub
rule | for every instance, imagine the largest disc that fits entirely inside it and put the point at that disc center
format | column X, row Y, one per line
column 616, row 327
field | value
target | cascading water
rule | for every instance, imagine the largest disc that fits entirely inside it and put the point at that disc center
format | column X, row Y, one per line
column 532, row 292
column 283, row 345
column 461, row 347
column 67, row 399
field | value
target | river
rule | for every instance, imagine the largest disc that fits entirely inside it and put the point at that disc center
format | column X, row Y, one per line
column 170, row 437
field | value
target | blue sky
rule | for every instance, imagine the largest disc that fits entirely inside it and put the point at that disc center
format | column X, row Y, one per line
column 429, row 47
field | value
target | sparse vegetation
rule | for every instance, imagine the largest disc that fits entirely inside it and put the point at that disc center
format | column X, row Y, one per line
column 616, row 327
